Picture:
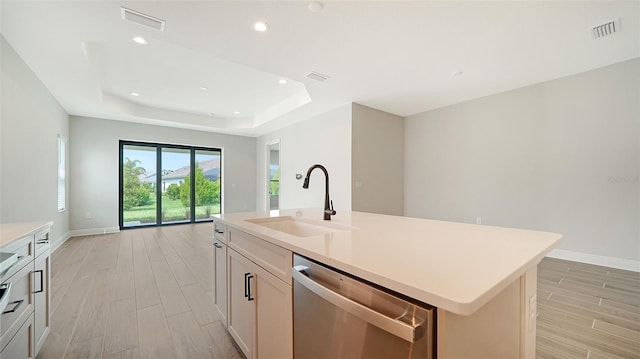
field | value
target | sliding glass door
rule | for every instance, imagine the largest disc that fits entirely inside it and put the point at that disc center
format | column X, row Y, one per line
column 168, row 184
column 207, row 183
column 138, row 186
column 176, row 191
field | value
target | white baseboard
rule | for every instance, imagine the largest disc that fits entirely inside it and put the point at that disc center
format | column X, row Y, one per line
column 55, row 244
column 81, row 232
column 93, row 231
column 619, row 263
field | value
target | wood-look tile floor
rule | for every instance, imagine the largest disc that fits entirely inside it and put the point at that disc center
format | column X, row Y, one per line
column 143, row 293
column 147, row 293
column 587, row 311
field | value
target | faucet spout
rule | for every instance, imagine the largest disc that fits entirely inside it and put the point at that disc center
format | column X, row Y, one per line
column 328, row 204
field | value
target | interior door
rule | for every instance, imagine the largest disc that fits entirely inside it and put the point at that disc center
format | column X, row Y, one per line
column 273, row 176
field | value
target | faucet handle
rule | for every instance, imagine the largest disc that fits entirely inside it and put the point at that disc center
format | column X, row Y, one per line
column 330, row 210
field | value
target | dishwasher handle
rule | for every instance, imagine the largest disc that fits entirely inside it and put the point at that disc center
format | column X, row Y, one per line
column 400, row 329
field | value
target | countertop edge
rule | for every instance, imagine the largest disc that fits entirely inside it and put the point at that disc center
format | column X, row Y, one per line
column 19, row 230
column 448, row 304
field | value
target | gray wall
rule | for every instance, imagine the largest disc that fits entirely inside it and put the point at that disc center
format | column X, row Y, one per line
column 31, row 120
column 377, row 161
column 94, row 167
column 559, row 156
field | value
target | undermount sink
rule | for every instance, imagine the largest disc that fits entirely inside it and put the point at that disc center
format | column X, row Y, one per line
column 299, row 227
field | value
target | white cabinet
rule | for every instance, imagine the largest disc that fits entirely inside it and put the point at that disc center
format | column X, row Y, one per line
column 220, row 280
column 274, row 316
column 241, row 302
column 20, row 306
column 220, row 293
column 21, row 345
column 260, row 312
column 42, row 298
column 25, row 322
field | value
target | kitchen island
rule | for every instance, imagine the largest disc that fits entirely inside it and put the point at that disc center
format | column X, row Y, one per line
column 482, row 279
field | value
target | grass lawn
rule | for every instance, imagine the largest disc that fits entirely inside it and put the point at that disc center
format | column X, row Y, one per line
column 172, row 211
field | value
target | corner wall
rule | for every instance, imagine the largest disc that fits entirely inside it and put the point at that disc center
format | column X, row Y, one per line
column 561, row 156
column 31, row 120
column 377, row 158
column 94, row 167
column 324, row 139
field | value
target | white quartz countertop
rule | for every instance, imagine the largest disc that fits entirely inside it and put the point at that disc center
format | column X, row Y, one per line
column 9, row 232
column 454, row 266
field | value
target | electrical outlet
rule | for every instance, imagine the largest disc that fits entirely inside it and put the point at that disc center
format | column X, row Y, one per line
column 532, row 312
column 88, row 215
column 478, row 220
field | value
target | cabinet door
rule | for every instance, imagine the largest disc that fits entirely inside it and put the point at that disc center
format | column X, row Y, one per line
column 20, row 305
column 42, row 303
column 274, row 319
column 220, row 280
column 242, row 305
column 21, row 345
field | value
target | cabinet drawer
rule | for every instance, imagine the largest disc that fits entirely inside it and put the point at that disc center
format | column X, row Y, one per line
column 220, row 231
column 274, row 259
column 20, row 304
column 41, row 242
column 23, row 247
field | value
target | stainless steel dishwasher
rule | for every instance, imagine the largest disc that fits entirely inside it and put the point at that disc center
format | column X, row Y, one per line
column 336, row 315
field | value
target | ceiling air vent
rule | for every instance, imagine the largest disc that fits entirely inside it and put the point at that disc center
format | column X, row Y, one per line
column 318, row 77
column 142, row 19
column 606, row 29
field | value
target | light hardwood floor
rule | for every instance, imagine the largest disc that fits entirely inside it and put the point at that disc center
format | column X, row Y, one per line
column 587, row 311
column 146, row 293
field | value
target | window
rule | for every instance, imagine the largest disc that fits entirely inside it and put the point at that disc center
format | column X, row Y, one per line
column 168, row 184
column 62, row 192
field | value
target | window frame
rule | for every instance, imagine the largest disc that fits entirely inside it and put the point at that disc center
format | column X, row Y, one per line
column 62, row 174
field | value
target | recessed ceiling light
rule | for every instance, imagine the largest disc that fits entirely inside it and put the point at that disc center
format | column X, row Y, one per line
column 204, row 88
column 283, row 81
column 140, row 40
column 261, row 26
column 237, row 112
column 457, row 73
column 135, row 94
column 315, row 6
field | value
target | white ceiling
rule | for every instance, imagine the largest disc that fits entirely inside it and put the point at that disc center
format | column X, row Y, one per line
column 390, row 55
